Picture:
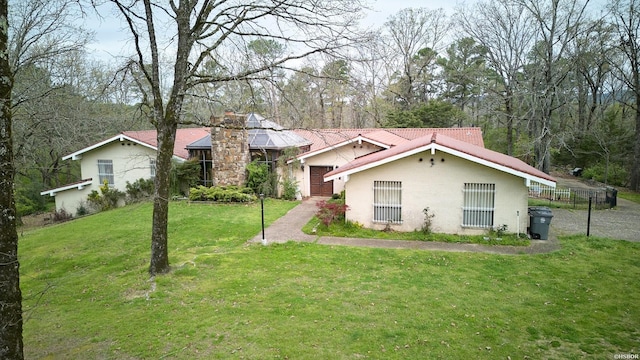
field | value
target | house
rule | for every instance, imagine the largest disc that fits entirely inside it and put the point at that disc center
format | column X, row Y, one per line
column 466, row 187
column 123, row 158
column 233, row 140
column 334, row 148
column 389, row 175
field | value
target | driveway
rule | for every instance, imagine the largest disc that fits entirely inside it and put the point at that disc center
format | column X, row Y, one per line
column 621, row 222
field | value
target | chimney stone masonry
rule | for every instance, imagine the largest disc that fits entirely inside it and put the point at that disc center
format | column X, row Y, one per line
column 229, row 149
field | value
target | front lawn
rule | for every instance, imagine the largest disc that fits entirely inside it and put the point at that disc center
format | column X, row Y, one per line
column 87, row 295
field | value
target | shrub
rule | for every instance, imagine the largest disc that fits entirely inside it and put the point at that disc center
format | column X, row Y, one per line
column 108, row 197
column 258, row 178
column 289, row 189
column 61, row 215
column 329, row 211
column 184, row 175
column 222, row 194
column 139, row 190
column 616, row 175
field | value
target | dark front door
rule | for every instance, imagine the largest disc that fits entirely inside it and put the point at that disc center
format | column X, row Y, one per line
column 318, row 186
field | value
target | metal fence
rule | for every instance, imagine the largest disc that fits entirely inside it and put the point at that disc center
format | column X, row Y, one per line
column 603, row 198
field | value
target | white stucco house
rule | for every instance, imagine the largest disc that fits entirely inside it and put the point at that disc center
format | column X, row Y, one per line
column 467, row 187
column 389, row 175
column 123, row 158
column 334, row 148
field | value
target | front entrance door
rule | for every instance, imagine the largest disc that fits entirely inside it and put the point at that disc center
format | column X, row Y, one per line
column 318, row 186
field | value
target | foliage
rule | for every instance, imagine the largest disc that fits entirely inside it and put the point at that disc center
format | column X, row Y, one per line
column 61, row 215
column 184, row 175
column 82, row 209
column 435, row 114
column 224, row 194
column 106, row 199
column 428, row 220
column 331, row 211
column 616, row 174
column 260, row 179
column 308, row 294
column 289, row 189
column 500, row 230
column 139, row 190
column 28, row 198
column 289, row 183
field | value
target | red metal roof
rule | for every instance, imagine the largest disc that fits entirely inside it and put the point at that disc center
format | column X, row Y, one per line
column 184, row 137
column 326, row 138
column 445, row 143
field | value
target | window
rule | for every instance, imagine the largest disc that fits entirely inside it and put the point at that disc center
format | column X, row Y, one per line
column 479, row 205
column 152, row 167
column 105, row 172
column 387, row 201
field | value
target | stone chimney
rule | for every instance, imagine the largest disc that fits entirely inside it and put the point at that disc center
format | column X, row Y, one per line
column 229, row 149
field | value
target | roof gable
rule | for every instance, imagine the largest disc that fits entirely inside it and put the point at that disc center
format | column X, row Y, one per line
column 148, row 138
column 328, row 139
column 439, row 142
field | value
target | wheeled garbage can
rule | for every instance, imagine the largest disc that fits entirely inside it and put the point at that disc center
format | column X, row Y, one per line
column 539, row 221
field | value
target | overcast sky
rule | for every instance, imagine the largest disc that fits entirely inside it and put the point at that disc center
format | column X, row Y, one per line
column 111, row 39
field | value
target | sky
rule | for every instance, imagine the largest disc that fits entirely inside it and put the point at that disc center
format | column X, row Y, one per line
column 112, row 39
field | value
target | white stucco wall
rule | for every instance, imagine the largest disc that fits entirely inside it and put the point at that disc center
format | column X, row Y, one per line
column 130, row 162
column 439, row 187
column 70, row 200
column 333, row 158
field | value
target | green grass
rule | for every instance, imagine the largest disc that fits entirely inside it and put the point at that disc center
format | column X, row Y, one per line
column 349, row 229
column 631, row 196
column 88, row 295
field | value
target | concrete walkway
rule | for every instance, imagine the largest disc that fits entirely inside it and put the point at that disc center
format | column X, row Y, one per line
column 289, row 228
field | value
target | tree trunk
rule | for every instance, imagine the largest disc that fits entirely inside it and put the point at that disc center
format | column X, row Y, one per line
column 11, row 346
column 635, row 168
column 159, row 240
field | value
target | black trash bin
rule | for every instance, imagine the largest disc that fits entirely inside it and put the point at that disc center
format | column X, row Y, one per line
column 539, row 220
column 611, row 197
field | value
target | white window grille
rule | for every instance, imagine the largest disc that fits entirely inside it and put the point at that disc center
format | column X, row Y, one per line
column 152, row 167
column 105, row 172
column 479, row 205
column 387, row 201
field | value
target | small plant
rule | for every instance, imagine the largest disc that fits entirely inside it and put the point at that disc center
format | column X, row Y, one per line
column 108, row 197
column 61, row 215
column 82, row 209
column 139, row 190
column 501, row 230
column 427, row 226
column 289, row 189
column 329, row 211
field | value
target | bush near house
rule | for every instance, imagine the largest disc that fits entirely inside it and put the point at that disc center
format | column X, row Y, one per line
column 224, row 194
column 106, row 199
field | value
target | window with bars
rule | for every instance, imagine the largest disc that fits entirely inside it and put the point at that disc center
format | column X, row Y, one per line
column 152, row 167
column 479, row 205
column 387, row 201
column 105, row 172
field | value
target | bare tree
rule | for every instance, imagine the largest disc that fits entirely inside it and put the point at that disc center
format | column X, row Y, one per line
column 557, row 23
column 416, row 35
column 504, row 29
column 197, row 32
column 11, row 346
column 626, row 20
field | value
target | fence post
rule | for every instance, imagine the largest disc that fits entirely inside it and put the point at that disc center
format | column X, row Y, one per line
column 589, row 215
